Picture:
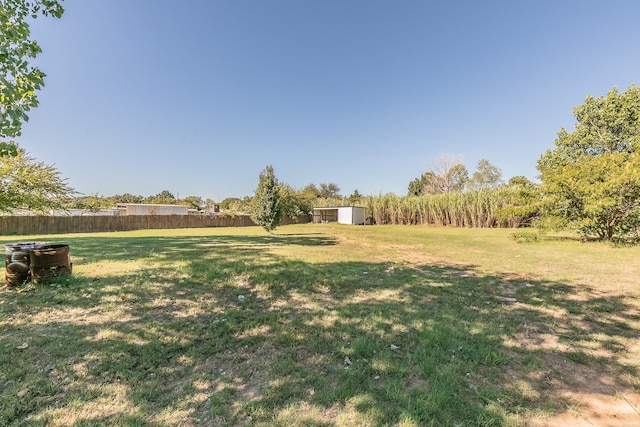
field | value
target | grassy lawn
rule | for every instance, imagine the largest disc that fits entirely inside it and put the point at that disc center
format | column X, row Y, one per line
column 324, row 325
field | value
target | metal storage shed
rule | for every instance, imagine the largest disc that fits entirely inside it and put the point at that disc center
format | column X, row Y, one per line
column 342, row 215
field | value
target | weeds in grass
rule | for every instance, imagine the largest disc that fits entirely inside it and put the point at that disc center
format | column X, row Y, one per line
column 525, row 236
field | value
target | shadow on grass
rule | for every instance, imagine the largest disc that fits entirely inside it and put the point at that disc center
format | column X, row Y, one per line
column 235, row 334
column 127, row 248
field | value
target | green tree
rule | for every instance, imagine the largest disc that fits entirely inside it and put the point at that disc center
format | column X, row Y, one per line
column 522, row 181
column 230, row 203
column 308, row 198
column 293, row 204
column 26, row 183
column 235, row 204
column 521, row 205
column 591, row 179
column 266, row 206
column 93, row 203
column 165, row 197
column 19, row 80
column 329, row 190
column 126, row 198
column 485, row 176
column 8, row 149
column 416, row 187
column 310, row 192
column 355, row 197
column 194, row 202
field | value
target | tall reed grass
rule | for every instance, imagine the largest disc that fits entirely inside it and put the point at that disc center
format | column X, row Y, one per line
column 500, row 207
column 507, row 206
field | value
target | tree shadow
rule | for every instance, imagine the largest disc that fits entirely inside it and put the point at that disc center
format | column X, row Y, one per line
column 238, row 334
column 124, row 248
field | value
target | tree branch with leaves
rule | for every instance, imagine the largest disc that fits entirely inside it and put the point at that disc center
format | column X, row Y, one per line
column 19, row 80
column 27, row 183
column 591, row 179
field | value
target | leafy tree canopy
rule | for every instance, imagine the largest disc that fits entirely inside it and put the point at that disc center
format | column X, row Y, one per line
column 165, row 197
column 605, row 125
column 19, row 80
column 416, row 187
column 329, row 190
column 26, row 183
column 23, row 181
column 236, row 204
column 521, row 181
column 92, row 203
column 293, row 204
column 310, row 192
column 229, row 202
column 355, row 197
column 194, row 202
column 591, row 178
column 485, row 176
column 8, row 149
column 126, row 198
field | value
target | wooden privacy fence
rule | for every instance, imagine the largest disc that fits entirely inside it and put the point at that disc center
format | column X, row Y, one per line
column 24, row 225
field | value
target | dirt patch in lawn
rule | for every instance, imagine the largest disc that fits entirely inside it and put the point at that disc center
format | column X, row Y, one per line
column 584, row 368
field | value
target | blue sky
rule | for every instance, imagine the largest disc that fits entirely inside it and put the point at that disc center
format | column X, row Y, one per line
column 198, row 96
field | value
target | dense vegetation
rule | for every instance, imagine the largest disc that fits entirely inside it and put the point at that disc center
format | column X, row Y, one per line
column 24, row 182
column 508, row 206
column 266, row 208
column 591, row 179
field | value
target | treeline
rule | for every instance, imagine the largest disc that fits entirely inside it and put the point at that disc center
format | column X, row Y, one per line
column 510, row 205
column 97, row 202
column 514, row 204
